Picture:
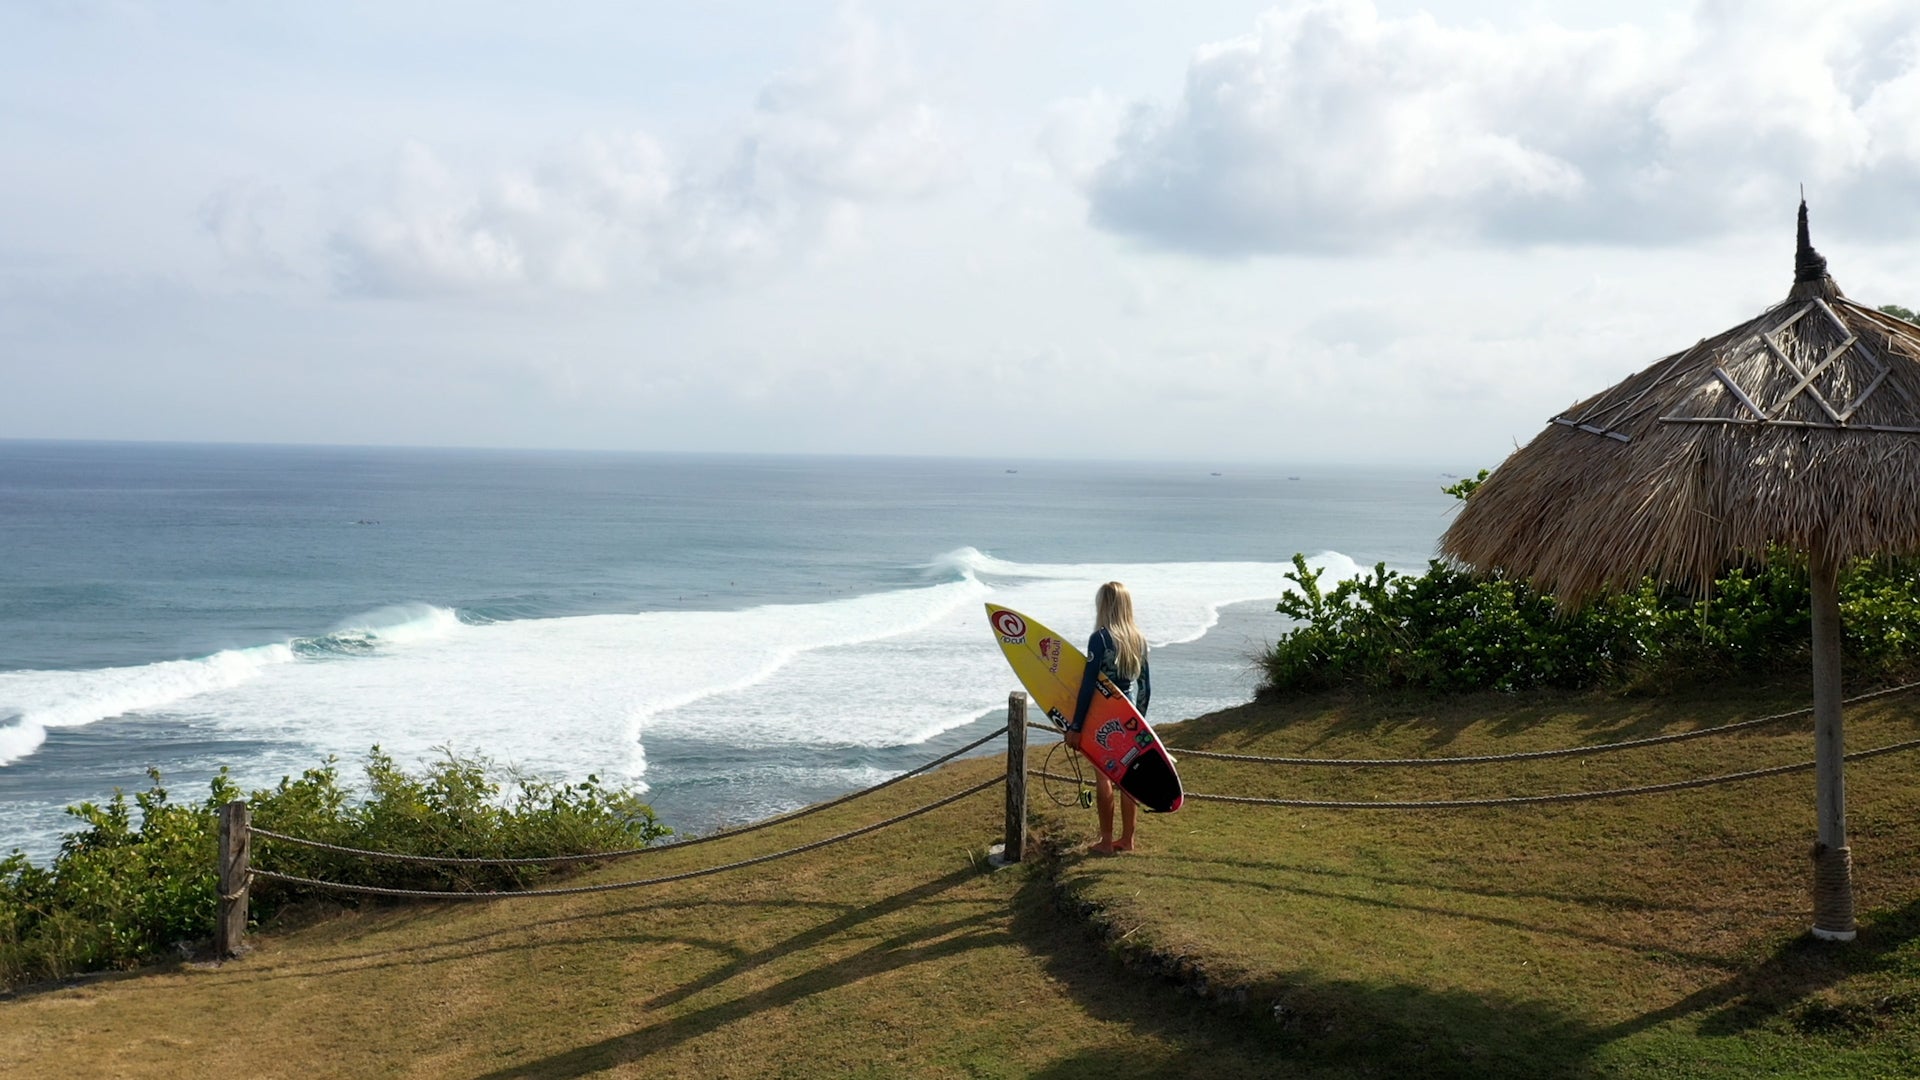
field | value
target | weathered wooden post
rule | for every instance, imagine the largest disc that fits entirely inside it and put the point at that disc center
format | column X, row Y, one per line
column 1016, row 848
column 236, row 850
column 1832, row 858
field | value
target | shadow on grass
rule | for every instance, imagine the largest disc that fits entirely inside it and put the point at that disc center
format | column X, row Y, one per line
column 1789, row 982
column 1314, row 1025
column 1301, row 1025
column 927, row 942
column 1616, row 900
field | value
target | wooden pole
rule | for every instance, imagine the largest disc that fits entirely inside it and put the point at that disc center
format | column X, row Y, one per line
column 1832, row 859
column 236, row 851
column 1016, row 848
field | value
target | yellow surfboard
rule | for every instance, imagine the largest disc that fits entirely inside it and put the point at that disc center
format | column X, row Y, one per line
column 1113, row 735
column 1049, row 667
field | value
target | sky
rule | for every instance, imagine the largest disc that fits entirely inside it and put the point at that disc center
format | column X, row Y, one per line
column 1368, row 231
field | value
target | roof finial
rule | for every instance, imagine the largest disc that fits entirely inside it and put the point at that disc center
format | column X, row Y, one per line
column 1809, row 266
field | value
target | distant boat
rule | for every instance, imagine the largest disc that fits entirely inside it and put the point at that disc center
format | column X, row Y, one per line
column 1216, row 474
column 1013, row 470
column 1293, row 478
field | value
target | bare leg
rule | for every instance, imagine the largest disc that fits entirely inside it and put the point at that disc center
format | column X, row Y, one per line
column 1127, row 809
column 1103, row 802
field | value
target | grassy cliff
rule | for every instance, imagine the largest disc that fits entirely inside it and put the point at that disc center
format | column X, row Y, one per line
column 1653, row 936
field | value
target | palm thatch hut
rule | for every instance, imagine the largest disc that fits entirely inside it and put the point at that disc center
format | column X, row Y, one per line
column 1799, row 428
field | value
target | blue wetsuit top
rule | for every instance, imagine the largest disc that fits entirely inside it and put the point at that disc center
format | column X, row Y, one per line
column 1102, row 656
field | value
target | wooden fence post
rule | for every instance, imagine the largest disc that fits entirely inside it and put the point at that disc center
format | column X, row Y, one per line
column 236, row 850
column 1016, row 848
column 1832, row 859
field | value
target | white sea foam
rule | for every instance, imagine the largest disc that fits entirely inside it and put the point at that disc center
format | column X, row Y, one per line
column 31, row 702
column 567, row 696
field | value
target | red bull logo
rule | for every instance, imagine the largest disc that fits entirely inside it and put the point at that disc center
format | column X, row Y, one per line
column 1050, row 652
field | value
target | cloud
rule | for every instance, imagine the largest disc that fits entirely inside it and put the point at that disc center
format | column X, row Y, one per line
column 235, row 218
column 1078, row 135
column 1333, row 129
column 852, row 130
column 852, row 127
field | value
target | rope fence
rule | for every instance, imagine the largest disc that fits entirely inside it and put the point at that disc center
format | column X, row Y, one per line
column 553, row 860
column 1530, row 755
column 577, row 890
column 1524, row 800
column 237, row 834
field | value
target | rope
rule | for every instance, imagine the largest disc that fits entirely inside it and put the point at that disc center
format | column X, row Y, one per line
column 1531, row 755
column 548, row 860
column 1833, row 888
column 1521, row 800
column 429, row 894
column 1079, row 780
column 1081, row 792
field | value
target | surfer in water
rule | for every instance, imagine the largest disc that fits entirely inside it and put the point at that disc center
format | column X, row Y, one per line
column 1119, row 651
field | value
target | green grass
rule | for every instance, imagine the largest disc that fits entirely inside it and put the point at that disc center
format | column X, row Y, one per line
column 1647, row 936
column 1659, row 936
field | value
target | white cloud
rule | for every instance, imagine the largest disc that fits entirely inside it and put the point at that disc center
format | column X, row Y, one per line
column 822, row 141
column 853, row 126
column 1332, row 128
column 235, row 218
column 438, row 234
column 1078, row 135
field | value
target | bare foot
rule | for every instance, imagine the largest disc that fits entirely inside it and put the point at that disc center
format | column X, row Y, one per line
column 1105, row 847
column 1122, row 845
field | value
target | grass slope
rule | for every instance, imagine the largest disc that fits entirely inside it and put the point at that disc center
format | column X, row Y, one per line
column 895, row 954
column 1658, row 936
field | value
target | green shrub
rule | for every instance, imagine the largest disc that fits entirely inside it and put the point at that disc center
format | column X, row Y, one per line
column 1445, row 631
column 1449, row 630
column 119, row 892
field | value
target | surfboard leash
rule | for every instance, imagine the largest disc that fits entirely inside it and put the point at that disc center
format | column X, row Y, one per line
column 1083, row 797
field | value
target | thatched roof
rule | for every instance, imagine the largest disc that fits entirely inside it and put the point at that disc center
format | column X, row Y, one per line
column 1799, row 427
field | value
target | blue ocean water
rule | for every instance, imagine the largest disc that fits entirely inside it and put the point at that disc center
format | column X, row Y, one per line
column 741, row 635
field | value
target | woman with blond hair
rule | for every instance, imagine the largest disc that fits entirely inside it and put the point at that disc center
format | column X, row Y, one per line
column 1118, row 651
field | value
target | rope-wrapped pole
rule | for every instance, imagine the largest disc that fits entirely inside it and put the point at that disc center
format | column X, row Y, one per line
column 236, row 851
column 1832, row 860
column 1016, row 848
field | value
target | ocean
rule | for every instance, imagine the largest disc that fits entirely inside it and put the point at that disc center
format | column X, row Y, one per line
column 737, row 635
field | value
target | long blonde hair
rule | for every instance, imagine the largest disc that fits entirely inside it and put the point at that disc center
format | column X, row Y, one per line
column 1113, row 609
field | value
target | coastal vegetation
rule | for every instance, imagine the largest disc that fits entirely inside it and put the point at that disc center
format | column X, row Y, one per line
column 1450, row 630
column 136, row 882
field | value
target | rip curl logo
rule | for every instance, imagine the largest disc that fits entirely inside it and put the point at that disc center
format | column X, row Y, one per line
column 1012, row 628
column 1108, row 730
column 1050, row 652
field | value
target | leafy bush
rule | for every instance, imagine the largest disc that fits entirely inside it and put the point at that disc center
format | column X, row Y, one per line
column 1449, row 630
column 120, row 892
